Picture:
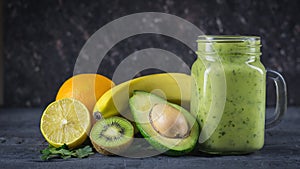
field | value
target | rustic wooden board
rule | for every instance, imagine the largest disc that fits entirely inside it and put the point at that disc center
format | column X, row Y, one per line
column 20, row 142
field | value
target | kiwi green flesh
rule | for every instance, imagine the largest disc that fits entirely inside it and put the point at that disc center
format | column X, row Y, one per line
column 141, row 104
column 112, row 132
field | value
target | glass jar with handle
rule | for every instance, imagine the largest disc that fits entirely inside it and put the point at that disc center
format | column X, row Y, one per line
column 229, row 94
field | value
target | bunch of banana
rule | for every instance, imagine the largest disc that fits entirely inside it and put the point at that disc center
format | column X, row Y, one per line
column 175, row 87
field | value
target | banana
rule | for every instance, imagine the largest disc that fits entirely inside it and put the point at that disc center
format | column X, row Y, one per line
column 175, row 87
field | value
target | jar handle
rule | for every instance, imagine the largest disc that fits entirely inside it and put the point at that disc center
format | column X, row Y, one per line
column 281, row 98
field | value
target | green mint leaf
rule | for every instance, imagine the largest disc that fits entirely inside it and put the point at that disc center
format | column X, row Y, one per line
column 66, row 157
column 64, row 152
column 44, row 157
column 63, row 147
column 45, row 152
column 84, row 152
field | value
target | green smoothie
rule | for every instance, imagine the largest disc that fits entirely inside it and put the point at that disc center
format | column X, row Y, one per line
column 229, row 96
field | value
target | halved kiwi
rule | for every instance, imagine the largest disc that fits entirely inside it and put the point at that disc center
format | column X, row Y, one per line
column 112, row 135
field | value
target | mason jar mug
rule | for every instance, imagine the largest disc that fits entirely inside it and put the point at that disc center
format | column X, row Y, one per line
column 229, row 94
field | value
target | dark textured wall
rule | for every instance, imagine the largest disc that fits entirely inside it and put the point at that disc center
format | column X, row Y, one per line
column 42, row 39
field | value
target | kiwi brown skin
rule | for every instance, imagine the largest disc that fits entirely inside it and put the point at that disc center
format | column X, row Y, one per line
column 100, row 150
column 111, row 150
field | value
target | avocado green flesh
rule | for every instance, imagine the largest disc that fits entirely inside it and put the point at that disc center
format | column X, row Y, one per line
column 141, row 104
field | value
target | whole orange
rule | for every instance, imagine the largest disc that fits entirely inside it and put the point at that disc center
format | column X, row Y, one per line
column 87, row 88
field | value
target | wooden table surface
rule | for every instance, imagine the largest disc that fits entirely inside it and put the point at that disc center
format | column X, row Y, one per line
column 21, row 141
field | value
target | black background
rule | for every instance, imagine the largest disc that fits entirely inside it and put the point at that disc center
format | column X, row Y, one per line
column 42, row 39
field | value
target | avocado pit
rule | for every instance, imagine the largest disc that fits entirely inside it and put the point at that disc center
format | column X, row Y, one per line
column 168, row 121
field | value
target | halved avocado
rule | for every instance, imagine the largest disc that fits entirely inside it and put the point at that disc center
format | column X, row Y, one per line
column 141, row 105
